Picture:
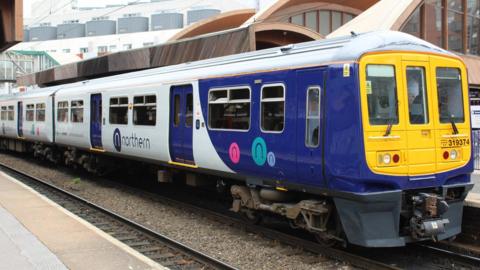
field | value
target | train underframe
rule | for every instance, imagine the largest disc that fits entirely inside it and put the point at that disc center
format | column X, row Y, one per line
column 382, row 219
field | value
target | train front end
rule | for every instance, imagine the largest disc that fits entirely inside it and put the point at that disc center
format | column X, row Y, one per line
column 417, row 139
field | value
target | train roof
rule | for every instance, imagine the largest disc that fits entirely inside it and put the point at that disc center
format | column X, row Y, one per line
column 342, row 49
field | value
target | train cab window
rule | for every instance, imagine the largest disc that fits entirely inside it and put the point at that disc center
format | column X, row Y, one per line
column 417, row 95
column 145, row 110
column 40, row 112
column 119, row 110
column 189, row 111
column 30, row 112
column 11, row 113
column 62, row 111
column 4, row 113
column 381, row 91
column 450, row 97
column 76, row 111
column 273, row 108
column 313, row 117
column 229, row 109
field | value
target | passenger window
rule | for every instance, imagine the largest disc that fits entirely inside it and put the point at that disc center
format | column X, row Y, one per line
column 30, row 112
column 176, row 111
column 312, row 138
column 118, row 110
column 76, row 111
column 11, row 113
column 40, row 112
column 4, row 113
column 450, row 98
column 62, row 111
column 381, row 88
column 417, row 95
column 229, row 109
column 273, row 108
column 145, row 110
column 189, row 111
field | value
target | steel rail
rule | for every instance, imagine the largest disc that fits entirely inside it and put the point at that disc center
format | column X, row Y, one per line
column 203, row 258
column 443, row 250
column 329, row 252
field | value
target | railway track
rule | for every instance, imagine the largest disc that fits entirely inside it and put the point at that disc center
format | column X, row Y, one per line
column 360, row 258
column 167, row 252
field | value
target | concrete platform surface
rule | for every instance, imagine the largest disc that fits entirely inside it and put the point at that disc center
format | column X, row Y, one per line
column 473, row 198
column 36, row 233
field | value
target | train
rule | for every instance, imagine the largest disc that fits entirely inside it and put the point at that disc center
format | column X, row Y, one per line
column 363, row 139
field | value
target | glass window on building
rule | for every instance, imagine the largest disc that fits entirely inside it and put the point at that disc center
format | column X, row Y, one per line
column 102, row 49
column 324, row 22
column 433, row 20
column 413, row 26
column 473, row 27
column 311, row 20
column 298, row 19
column 336, row 20
column 455, row 31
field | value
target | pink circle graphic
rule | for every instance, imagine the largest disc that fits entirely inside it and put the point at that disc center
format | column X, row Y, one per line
column 234, row 153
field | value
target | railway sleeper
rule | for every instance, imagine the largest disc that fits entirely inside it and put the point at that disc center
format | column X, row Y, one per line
column 311, row 215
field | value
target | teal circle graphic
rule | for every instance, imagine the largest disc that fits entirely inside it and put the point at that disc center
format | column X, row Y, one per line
column 271, row 159
column 259, row 151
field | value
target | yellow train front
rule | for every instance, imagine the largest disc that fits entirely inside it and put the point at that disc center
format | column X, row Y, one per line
column 416, row 141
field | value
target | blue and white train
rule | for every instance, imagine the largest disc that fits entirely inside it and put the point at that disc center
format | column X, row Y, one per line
column 364, row 138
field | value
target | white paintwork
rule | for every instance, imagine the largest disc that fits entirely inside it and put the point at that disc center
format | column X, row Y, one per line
column 9, row 127
column 204, row 152
column 70, row 133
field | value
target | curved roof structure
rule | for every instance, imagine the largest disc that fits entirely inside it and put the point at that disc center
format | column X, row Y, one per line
column 269, row 35
column 279, row 8
column 384, row 15
column 221, row 22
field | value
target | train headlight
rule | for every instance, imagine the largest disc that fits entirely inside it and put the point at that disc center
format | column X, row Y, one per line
column 453, row 154
column 387, row 159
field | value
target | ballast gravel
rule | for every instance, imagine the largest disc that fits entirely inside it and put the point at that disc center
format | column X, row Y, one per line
column 232, row 245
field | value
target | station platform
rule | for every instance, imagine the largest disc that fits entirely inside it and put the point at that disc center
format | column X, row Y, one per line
column 36, row 233
column 473, row 198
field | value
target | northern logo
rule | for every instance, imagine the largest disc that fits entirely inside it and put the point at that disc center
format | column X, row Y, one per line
column 131, row 141
column 117, row 140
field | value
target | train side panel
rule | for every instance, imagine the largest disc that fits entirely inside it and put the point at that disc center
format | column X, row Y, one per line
column 37, row 122
column 72, row 123
column 8, row 119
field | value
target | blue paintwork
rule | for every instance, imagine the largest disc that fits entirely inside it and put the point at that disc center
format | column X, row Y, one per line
column 309, row 159
column 345, row 166
column 181, row 136
column 20, row 119
column 96, row 120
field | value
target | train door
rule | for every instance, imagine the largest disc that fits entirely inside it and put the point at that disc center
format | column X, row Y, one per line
column 96, row 121
column 419, row 126
column 181, row 120
column 310, row 88
column 20, row 119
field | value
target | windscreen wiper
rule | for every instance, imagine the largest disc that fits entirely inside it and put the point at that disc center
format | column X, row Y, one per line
column 454, row 126
column 389, row 130
column 455, row 129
